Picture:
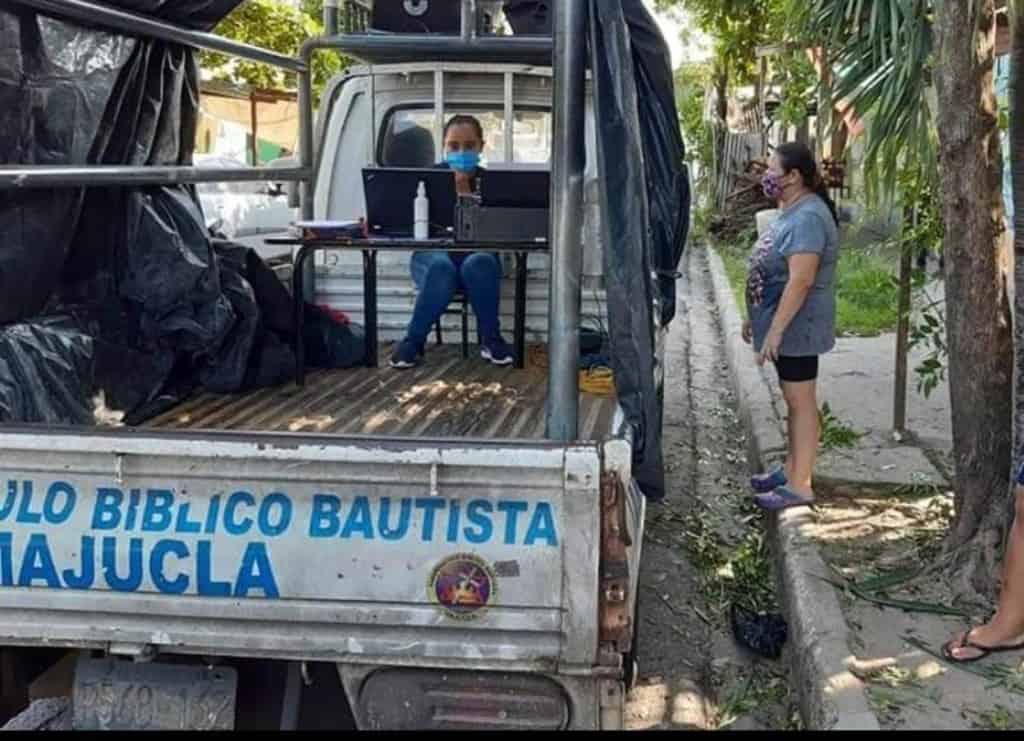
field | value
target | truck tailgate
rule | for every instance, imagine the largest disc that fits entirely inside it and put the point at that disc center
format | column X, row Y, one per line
column 453, row 553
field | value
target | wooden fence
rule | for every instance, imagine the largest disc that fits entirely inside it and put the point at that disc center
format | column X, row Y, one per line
column 738, row 149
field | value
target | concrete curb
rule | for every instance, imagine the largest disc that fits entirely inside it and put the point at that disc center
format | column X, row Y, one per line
column 831, row 697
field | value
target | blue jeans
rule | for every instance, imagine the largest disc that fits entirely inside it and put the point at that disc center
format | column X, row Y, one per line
column 437, row 276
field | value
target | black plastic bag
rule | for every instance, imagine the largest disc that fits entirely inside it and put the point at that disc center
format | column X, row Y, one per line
column 254, row 355
column 135, row 382
column 331, row 343
column 765, row 634
column 46, row 373
column 274, row 300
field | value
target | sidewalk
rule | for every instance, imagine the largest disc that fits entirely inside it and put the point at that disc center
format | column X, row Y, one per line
column 858, row 384
column 882, row 510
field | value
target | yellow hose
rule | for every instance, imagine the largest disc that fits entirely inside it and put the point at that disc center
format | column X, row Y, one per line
column 598, row 381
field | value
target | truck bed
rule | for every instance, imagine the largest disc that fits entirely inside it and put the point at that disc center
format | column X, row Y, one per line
column 446, row 396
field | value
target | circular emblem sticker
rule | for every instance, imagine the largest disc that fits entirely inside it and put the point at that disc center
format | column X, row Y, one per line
column 463, row 585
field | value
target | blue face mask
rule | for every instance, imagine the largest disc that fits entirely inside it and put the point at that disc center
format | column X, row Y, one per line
column 463, row 161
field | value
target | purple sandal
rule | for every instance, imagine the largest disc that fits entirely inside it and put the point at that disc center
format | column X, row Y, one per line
column 782, row 498
column 766, row 483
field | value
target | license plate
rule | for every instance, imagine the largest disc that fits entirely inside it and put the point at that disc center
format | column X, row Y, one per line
column 121, row 695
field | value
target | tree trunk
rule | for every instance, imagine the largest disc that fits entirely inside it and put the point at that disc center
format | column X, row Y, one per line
column 1017, row 171
column 840, row 137
column 978, row 317
column 721, row 128
column 722, row 88
column 826, row 112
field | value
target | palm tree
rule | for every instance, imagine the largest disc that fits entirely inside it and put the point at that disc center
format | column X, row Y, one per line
column 882, row 55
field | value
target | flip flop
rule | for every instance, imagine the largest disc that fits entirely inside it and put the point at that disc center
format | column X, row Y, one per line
column 966, row 642
column 766, row 483
column 782, row 498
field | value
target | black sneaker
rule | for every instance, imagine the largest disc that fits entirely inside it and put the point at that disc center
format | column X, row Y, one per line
column 406, row 355
column 497, row 352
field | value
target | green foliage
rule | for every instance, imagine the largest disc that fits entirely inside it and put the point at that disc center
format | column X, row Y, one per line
column 736, row 271
column 748, row 574
column 835, row 434
column 866, row 294
column 796, row 75
column 731, row 573
column 930, row 332
column 923, row 233
column 691, row 85
column 280, row 28
column 998, row 718
column 738, row 27
column 919, row 194
column 882, row 52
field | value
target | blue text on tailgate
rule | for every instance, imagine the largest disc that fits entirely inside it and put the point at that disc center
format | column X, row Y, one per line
column 185, row 561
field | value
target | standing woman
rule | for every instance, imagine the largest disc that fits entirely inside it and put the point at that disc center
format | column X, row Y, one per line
column 792, row 308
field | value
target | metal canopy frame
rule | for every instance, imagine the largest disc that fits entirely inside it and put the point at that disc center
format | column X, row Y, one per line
column 94, row 13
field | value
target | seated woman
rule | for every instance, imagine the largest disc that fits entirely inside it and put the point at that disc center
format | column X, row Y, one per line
column 438, row 275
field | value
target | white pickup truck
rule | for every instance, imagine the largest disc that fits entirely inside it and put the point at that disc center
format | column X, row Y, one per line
column 416, row 531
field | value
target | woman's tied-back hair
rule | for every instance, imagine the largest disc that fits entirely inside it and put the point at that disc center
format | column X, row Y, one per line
column 464, row 120
column 796, row 156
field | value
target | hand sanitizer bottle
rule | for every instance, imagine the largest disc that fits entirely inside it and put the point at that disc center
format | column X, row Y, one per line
column 421, row 222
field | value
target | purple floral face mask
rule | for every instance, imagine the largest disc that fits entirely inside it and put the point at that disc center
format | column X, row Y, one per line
column 772, row 185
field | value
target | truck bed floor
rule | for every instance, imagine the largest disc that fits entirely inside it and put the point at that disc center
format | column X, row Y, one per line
column 446, row 396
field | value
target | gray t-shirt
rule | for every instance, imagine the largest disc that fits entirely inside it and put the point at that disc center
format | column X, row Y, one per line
column 805, row 227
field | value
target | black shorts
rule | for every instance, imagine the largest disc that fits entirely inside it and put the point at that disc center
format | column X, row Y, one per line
column 797, row 369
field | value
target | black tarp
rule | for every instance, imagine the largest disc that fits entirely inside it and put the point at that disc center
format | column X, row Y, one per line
column 166, row 311
column 76, row 96
column 46, row 373
column 667, row 177
column 645, row 200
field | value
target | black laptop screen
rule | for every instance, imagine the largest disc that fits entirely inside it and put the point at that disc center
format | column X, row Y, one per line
column 391, row 193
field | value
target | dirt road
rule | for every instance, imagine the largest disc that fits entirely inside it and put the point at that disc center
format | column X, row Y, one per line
column 702, row 548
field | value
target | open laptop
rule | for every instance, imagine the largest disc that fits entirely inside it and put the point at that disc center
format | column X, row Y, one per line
column 390, row 195
column 515, row 188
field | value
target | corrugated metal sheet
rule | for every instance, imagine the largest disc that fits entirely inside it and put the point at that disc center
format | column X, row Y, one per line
column 446, row 396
